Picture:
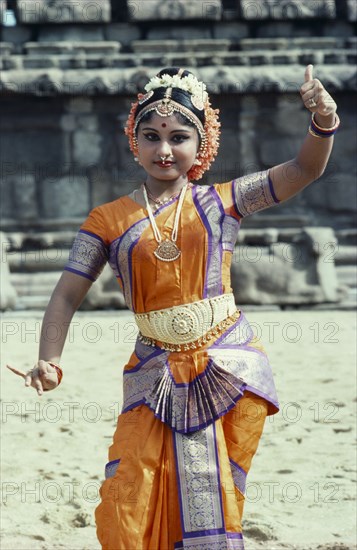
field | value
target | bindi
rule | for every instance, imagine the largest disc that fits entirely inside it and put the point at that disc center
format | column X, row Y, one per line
column 163, row 125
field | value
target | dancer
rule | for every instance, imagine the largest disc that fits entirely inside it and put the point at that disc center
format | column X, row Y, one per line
column 198, row 385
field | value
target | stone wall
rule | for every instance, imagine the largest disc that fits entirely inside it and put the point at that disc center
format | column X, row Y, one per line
column 70, row 69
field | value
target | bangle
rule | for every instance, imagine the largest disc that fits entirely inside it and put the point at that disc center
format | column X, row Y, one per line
column 316, row 130
column 58, row 370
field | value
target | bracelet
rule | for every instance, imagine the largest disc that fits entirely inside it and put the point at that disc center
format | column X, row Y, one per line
column 316, row 130
column 58, row 370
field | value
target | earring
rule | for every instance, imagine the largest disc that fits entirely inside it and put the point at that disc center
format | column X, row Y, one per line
column 136, row 159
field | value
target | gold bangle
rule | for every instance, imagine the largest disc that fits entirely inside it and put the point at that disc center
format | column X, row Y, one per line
column 58, row 369
column 314, row 134
column 332, row 128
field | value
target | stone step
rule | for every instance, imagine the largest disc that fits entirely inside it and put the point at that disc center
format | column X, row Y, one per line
column 30, row 261
column 172, row 46
column 220, row 78
column 33, row 302
column 320, row 43
column 63, row 48
column 59, row 12
column 346, row 255
column 6, row 48
column 347, row 275
column 294, row 9
column 352, row 42
column 34, row 284
column 347, row 236
column 42, row 240
column 155, row 10
column 199, row 59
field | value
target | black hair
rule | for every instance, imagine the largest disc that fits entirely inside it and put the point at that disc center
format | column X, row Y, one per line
column 178, row 95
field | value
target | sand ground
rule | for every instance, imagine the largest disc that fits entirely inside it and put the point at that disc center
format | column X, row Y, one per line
column 301, row 488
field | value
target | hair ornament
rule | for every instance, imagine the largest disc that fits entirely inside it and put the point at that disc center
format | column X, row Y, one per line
column 187, row 83
column 145, row 97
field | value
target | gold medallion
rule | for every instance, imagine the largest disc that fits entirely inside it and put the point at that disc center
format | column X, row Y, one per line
column 167, row 251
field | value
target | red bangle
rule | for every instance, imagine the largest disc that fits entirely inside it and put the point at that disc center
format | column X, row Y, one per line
column 58, row 370
column 318, row 131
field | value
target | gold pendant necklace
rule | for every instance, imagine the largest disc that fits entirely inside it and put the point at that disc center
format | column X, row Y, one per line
column 167, row 251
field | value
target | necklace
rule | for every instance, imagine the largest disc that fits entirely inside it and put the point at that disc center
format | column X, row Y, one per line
column 161, row 202
column 167, row 251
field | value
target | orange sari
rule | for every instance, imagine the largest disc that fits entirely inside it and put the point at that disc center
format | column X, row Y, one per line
column 191, row 421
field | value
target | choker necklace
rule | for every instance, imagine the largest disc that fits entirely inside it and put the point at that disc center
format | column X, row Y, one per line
column 167, row 251
column 161, row 202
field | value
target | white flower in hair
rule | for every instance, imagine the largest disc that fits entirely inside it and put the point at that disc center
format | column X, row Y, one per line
column 187, row 83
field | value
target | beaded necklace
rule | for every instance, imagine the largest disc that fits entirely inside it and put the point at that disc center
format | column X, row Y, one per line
column 167, row 251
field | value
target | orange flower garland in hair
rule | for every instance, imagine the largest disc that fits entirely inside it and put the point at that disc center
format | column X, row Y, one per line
column 205, row 155
column 129, row 128
column 212, row 130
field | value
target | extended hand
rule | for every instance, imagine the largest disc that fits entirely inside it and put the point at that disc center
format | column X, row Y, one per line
column 316, row 99
column 42, row 377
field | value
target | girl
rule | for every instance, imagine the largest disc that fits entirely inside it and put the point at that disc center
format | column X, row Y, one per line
column 198, row 386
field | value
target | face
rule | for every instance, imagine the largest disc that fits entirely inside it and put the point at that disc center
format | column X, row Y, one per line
column 168, row 138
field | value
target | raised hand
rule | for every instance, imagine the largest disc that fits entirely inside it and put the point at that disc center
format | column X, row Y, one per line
column 315, row 98
column 42, row 376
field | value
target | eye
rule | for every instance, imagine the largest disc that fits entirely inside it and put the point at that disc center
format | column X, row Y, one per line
column 179, row 138
column 151, row 136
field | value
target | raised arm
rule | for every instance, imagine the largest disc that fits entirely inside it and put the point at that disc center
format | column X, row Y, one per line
column 292, row 176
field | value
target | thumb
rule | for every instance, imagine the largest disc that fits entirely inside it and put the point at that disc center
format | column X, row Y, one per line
column 308, row 73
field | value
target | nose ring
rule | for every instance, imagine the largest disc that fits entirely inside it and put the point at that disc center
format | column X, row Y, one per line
column 164, row 158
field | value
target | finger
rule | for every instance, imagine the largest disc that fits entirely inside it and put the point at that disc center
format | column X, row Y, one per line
column 17, row 371
column 28, row 378
column 308, row 73
column 36, row 382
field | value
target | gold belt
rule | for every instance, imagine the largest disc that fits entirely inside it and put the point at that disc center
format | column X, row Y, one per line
column 187, row 326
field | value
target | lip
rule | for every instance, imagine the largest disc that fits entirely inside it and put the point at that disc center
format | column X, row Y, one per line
column 164, row 164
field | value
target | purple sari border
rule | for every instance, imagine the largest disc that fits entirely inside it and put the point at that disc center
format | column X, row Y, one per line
column 229, row 330
column 94, row 235
column 111, row 468
column 218, row 200
column 271, row 187
column 237, row 466
column 207, row 532
column 209, row 232
column 234, row 198
column 130, row 263
column 178, row 479
column 263, row 395
column 117, row 263
column 235, row 535
column 238, row 537
column 218, row 476
column 137, row 367
column 79, row 273
column 133, row 405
